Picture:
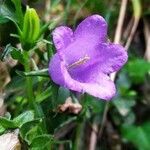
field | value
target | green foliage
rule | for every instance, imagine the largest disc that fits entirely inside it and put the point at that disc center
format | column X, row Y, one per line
column 137, row 70
column 18, row 12
column 124, row 105
column 63, row 94
column 6, row 51
column 23, row 118
column 29, row 130
column 3, row 20
column 125, row 98
column 2, row 129
column 42, row 73
column 6, row 13
column 41, row 142
column 6, row 123
column 17, row 55
column 138, row 135
column 95, row 105
column 42, row 96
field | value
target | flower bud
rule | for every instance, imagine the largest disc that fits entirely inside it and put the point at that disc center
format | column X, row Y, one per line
column 31, row 28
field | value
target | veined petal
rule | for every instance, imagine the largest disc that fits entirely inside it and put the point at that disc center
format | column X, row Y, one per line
column 99, row 86
column 95, row 82
column 69, row 81
column 62, row 37
column 87, row 36
column 112, row 57
column 60, row 75
column 92, row 29
column 105, row 58
column 55, row 71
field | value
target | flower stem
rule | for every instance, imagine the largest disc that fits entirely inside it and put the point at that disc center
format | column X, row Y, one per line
column 79, row 135
column 29, row 89
column 28, row 80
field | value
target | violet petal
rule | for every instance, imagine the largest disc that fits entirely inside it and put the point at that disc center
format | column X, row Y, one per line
column 62, row 37
column 93, row 29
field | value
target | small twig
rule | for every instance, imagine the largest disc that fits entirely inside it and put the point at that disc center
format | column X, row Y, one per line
column 127, row 30
column 62, row 132
column 78, row 12
column 47, row 10
column 147, row 40
column 136, row 14
column 134, row 27
column 93, row 138
column 120, row 21
column 104, row 119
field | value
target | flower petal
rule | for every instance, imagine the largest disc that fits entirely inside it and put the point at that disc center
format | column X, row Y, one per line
column 78, row 50
column 100, row 86
column 112, row 56
column 55, row 71
column 105, row 58
column 60, row 75
column 95, row 83
column 62, row 37
column 93, row 29
column 69, row 81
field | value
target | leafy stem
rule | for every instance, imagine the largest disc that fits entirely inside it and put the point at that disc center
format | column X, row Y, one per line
column 29, row 90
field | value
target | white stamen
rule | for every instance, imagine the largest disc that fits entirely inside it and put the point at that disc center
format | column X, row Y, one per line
column 81, row 61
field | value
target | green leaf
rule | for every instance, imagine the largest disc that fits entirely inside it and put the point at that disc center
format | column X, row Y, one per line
column 18, row 11
column 123, row 105
column 137, row 69
column 16, row 54
column 42, row 142
column 138, row 135
column 96, row 105
column 43, row 73
column 6, row 51
column 130, row 118
column 23, row 118
column 3, row 20
column 7, row 124
column 2, row 129
column 63, row 125
column 44, row 95
column 63, row 94
column 26, row 128
column 6, row 12
column 33, row 133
